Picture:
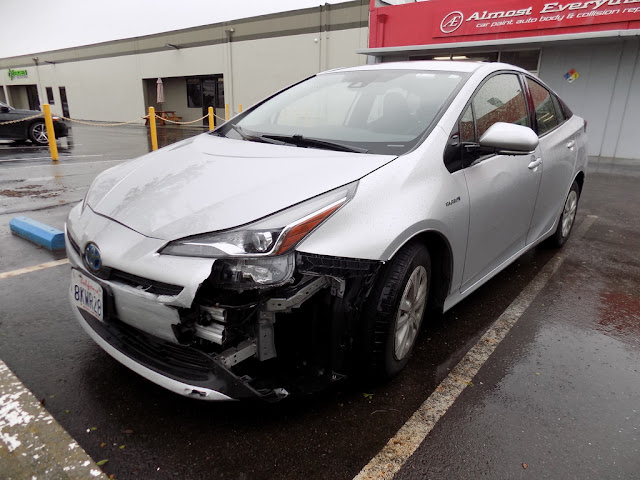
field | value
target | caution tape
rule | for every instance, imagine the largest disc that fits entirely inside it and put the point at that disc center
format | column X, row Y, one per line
column 25, row 119
column 95, row 124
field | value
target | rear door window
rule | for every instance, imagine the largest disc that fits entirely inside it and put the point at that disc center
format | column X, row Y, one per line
column 546, row 116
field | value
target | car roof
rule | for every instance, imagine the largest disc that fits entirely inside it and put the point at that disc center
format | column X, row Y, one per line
column 432, row 65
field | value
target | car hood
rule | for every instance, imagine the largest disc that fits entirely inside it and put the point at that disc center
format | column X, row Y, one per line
column 20, row 111
column 208, row 183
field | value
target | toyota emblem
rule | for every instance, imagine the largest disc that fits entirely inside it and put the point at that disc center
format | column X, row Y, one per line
column 92, row 257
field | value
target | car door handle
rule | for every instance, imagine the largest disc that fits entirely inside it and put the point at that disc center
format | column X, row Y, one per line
column 571, row 144
column 535, row 164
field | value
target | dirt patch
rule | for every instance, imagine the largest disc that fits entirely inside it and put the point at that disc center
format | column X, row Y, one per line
column 29, row 191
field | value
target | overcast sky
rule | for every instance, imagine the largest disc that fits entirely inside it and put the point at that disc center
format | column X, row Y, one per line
column 42, row 25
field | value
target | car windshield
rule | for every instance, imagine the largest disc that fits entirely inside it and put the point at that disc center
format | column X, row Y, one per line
column 376, row 111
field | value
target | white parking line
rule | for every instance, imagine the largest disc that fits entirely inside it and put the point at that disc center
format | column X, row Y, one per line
column 35, row 268
column 407, row 440
column 63, row 157
column 69, row 164
column 32, row 443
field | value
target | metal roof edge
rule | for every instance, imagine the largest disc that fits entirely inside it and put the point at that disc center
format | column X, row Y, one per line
column 567, row 37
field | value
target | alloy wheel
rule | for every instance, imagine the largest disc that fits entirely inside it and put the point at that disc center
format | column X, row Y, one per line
column 410, row 311
column 569, row 212
column 40, row 133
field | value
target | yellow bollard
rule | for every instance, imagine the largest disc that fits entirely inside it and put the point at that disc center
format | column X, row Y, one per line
column 212, row 124
column 154, row 132
column 226, row 112
column 240, row 108
column 51, row 134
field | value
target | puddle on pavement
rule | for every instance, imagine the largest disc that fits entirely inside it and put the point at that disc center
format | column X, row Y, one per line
column 620, row 316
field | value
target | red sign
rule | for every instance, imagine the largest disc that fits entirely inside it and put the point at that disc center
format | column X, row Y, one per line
column 446, row 21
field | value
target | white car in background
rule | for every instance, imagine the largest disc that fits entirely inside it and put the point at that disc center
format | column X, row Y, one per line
column 307, row 238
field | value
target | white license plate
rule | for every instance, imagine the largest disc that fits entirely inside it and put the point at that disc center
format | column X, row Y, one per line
column 87, row 294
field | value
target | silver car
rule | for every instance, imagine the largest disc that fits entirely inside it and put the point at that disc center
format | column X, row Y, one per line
column 306, row 239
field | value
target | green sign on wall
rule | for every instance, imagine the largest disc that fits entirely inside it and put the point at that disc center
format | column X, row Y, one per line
column 17, row 73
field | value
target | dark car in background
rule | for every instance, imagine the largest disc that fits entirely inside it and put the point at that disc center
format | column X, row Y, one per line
column 32, row 129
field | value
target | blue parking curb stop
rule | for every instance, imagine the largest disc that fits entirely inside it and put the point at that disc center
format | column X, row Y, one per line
column 34, row 231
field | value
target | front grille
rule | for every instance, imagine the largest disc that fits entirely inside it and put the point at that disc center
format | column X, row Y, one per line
column 145, row 284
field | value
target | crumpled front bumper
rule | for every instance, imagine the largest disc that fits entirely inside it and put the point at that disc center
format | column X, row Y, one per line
column 150, row 301
column 137, row 328
column 178, row 368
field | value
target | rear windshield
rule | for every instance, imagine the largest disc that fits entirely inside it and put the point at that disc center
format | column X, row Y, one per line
column 380, row 111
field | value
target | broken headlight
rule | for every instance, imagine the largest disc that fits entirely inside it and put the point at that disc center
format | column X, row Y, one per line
column 252, row 272
column 272, row 236
column 261, row 254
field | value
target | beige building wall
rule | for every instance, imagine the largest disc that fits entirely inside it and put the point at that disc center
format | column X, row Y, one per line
column 264, row 55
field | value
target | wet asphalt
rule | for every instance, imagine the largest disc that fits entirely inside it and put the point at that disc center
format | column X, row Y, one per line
column 559, row 398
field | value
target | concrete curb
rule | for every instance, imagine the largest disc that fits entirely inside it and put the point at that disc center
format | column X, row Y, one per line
column 32, row 444
column 36, row 232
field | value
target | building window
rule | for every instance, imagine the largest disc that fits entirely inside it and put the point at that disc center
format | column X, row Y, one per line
column 194, row 93
column 220, row 94
column 527, row 59
column 50, row 98
column 204, row 92
column 465, row 57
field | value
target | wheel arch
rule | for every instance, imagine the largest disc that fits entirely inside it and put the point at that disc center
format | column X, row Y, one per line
column 579, row 178
column 35, row 120
column 441, row 265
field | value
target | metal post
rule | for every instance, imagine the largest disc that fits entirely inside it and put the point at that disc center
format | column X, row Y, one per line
column 154, row 132
column 240, row 108
column 212, row 124
column 51, row 134
column 226, row 112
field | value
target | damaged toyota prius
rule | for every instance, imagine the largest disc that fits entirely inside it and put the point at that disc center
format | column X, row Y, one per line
column 307, row 239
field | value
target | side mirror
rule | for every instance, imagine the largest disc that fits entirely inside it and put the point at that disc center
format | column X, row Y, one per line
column 509, row 139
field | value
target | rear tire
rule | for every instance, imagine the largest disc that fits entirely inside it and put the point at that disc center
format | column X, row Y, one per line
column 567, row 218
column 393, row 315
column 38, row 133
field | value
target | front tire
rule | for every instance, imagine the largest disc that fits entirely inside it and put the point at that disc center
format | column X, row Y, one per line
column 394, row 312
column 38, row 133
column 567, row 218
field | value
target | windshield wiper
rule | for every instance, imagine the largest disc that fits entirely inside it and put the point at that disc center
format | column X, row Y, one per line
column 255, row 138
column 301, row 141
